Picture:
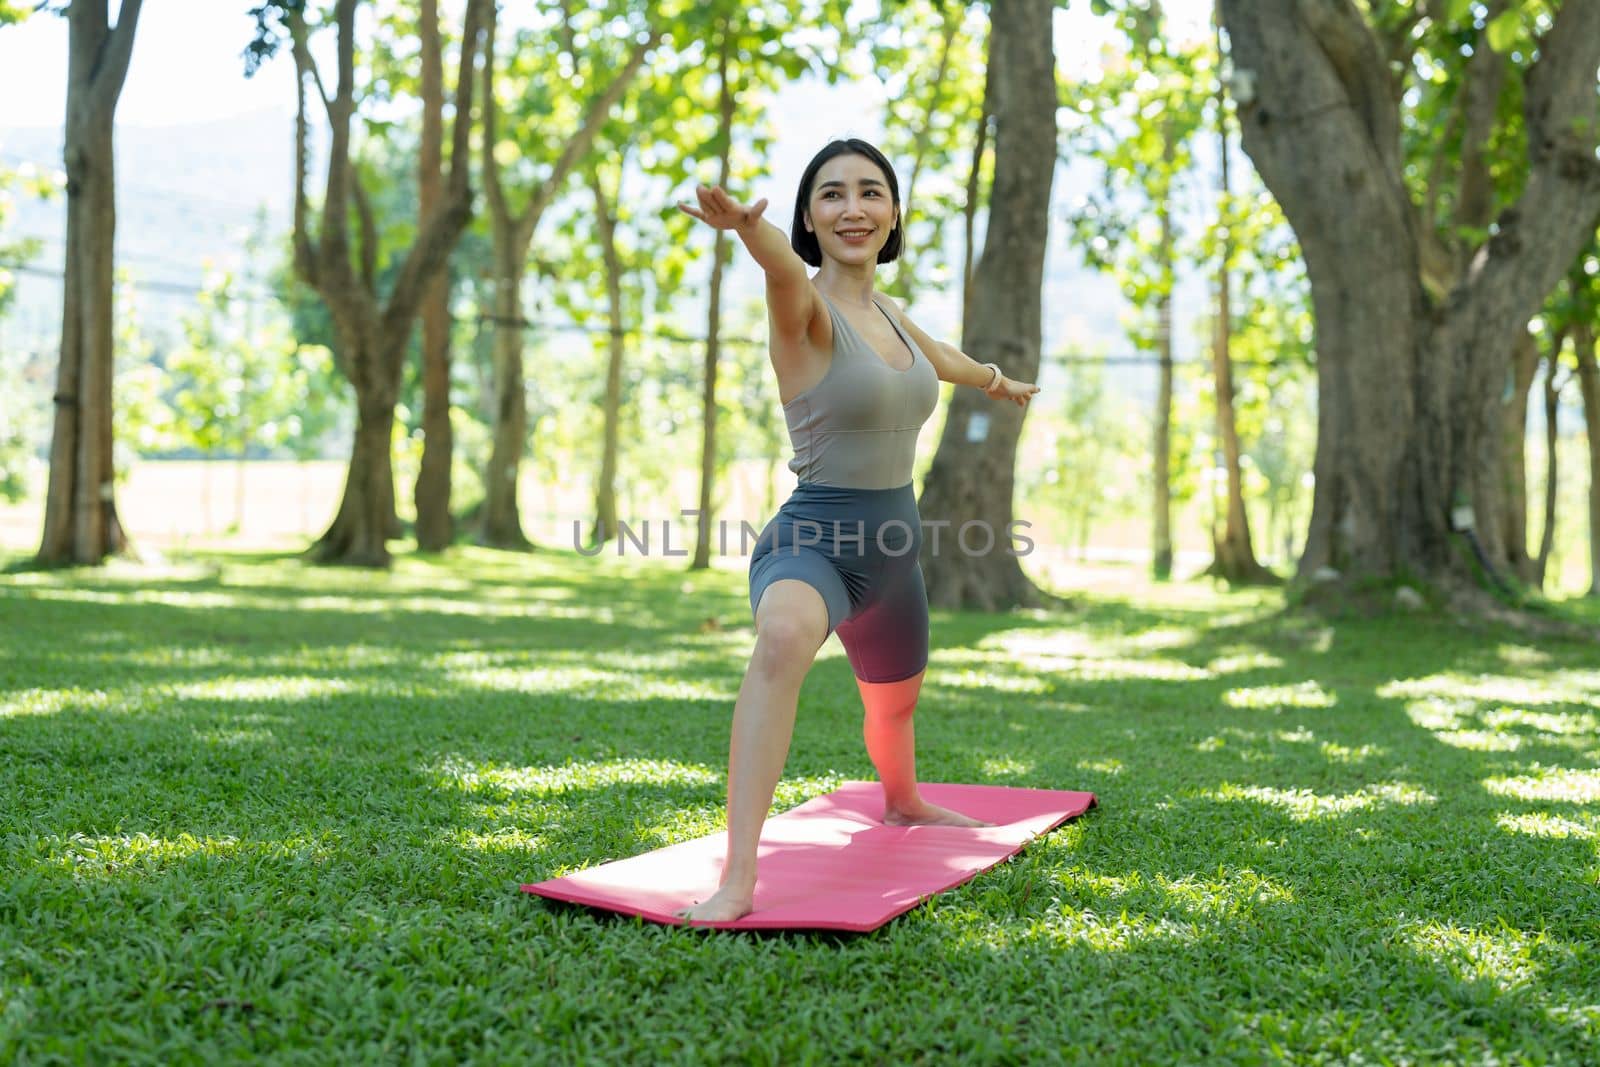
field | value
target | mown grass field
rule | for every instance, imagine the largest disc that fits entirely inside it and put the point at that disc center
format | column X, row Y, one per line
column 255, row 810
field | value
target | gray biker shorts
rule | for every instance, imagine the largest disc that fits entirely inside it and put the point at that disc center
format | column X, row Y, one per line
column 858, row 549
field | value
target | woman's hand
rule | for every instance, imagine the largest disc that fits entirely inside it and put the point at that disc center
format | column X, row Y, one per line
column 1006, row 389
column 721, row 211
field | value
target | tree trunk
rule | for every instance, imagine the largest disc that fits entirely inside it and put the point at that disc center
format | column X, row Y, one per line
column 1161, row 466
column 435, row 527
column 1583, row 341
column 1409, row 415
column 969, row 211
column 501, row 522
column 372, row 332
column 973, row 561
column 605, row 504
column 1524, row 365
column 1552, row 439
column 80, row 520
column 1234, row 556
column 708, row 399
column 359, row 531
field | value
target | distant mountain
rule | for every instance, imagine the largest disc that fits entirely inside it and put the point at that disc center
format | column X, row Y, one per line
column 186, row 195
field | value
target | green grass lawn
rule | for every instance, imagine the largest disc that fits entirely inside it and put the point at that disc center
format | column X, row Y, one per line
column 262, row 810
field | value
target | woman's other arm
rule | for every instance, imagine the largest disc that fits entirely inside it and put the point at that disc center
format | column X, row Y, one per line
column 955, row 366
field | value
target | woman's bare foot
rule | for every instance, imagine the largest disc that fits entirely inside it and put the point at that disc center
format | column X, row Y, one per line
column 723, row 906
column 925, row 814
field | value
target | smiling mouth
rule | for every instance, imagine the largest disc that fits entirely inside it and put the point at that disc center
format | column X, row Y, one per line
column 854, row 233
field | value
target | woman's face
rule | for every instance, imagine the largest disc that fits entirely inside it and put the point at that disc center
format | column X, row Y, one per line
column 850, row 209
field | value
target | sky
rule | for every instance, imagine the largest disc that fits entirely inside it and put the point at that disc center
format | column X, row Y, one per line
column 186, row 68
column 184, row 44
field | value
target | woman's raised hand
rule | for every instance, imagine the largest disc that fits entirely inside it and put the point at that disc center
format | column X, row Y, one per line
column 720, row 210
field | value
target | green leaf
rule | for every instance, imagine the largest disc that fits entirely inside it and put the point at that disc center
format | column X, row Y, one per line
column 1503, row 30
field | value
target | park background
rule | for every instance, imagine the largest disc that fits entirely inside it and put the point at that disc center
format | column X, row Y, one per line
column 260, row 809
column 204, row 204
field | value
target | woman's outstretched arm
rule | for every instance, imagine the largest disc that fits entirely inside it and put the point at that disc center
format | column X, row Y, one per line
column 791, row 300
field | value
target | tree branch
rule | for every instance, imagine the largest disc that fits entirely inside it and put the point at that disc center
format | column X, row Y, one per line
column 1480, row 97
column 306, row 62
column 369, row 232
column 580, row 143
column 1560, row 103
column 305, row 261
column 1351, row 47
column 113, row 69
column 438, row 236
column 461, row 128
column 496, row 195
column 1556, row 214
column 335, row 206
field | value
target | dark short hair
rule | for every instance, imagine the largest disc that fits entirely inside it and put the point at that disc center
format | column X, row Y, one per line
column 805, row 243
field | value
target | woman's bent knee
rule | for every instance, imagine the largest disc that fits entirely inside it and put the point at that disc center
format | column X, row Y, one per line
column 791, row 625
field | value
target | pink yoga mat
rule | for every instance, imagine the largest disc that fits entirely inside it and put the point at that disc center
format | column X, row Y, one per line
column 830, row 864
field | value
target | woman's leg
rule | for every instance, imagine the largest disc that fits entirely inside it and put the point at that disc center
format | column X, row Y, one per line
column 892, row 743
column 791, row 624
column 887, row 640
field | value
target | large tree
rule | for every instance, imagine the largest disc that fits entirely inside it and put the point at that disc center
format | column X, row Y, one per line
column 80, row 518
column 971, row 478
column 371, row 329
column 435, row 528
column 1415, row 335
column 540, row 140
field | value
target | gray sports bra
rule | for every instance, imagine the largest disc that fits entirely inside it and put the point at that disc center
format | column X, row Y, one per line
column 857, row 428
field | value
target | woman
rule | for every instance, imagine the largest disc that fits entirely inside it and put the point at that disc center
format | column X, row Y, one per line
column 857, row 379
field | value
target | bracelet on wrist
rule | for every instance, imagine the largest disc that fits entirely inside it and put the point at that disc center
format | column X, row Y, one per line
column 995, row 380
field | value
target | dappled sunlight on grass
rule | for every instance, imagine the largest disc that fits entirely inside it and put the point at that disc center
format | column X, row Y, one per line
column 588, row 683
column 1274, row 697
column 1304, row 804
column 1100, row 766
column 197, row 599
column 1337, row 753
column 1094, row 656
column 1114, row 913
column 230, row 738
column 1564, row 687
column 986, row 680
column 1549, row 783
column 511, row 840
column 1543, row 824
column 1238, row 662
column 1545, row 722
column 1522, row 655
column 1484, row 725
column 267, row 687
column 1479, row 740
column 1005, row 767
column 51, row 701
column 478, row 777
column 1505, row 957
column 1236, row 894
column 114, row 854
column 1152, row 669
column 1257, row 746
